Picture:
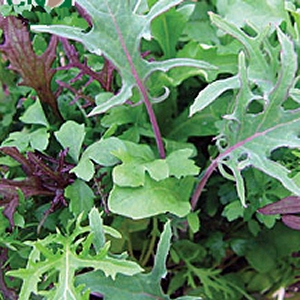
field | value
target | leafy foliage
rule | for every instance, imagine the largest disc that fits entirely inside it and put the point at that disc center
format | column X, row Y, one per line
column 130, row 126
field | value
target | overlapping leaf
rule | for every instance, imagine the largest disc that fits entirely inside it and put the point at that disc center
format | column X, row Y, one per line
column 70, row 253
column 118, row 27
column 35, row 70
column 139, row 286
column 248, row 138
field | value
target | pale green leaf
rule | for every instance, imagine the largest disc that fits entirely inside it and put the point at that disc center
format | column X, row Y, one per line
column 74, row 255
column 39, row 139
column 113, row 21
column 153, row 198
column 96, row 225
column 247, row 138
column 35, row 115
column 71, row 136
column 180, row 165
column 81, row 197
column 139, row 286
column 259, row 14
column 212, row 92
column 101, row 153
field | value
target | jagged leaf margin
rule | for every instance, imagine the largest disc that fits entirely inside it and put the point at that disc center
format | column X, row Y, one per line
column 116, row 33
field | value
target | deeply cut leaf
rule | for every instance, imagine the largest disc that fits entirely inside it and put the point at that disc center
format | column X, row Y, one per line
column 117, row 33
column 139, row 286
column 248, row 138
column 74, row 254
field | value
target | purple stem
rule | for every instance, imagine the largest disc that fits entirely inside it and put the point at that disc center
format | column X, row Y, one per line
column 214, row 163
column 152, row 117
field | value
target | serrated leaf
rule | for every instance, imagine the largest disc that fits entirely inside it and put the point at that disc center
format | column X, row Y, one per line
column 71, row 136
column 137, row 287
column 35, row 115
column 113, row 20
column 247, row 138
column 74, row 254
column 155, row 197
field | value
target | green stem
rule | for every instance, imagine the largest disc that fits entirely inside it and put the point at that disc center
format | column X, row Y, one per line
column 147, row 256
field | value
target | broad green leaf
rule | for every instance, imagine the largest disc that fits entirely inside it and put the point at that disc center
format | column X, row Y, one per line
column 225, row 62
column 137, row 160
column 233, row 211
column 258, row 14
column 153, row 198
column 99, row 152
column 180, row 165
column 24, row 141
column 71, row 136
column 35, row 115
column 113, row 21
column 74, row 254
column 81, row 197
column 39, row 139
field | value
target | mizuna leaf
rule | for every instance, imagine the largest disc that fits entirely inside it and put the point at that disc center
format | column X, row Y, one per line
column 117, row 32
column 74, row 254
column 247, row 138
column 288, row 205
column 139, row 286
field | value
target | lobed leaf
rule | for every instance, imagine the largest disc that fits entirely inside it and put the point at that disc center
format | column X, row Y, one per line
column 117, row 32
column 248, row 138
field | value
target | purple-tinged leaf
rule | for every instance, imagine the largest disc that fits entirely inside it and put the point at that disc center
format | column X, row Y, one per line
column 118, row 29
column 291, row 221
column 35, row 71
column 288, row 205
column 48, row 178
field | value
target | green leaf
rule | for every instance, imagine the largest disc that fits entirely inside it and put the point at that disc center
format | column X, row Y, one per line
column 153, row 198
column 137, row 159
column 101, row 153
column 113, row 20
column 258, row 15
column 180, row 165
column 74, row 254
column 35, row 115
column 194, row 222
column 139, row 286
column 96, row 224
column 39, row 139
column 212, row 92
column 81, row 197
column 233, row 211
column 167, row 28
column 248, row 138
column 71, row 136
